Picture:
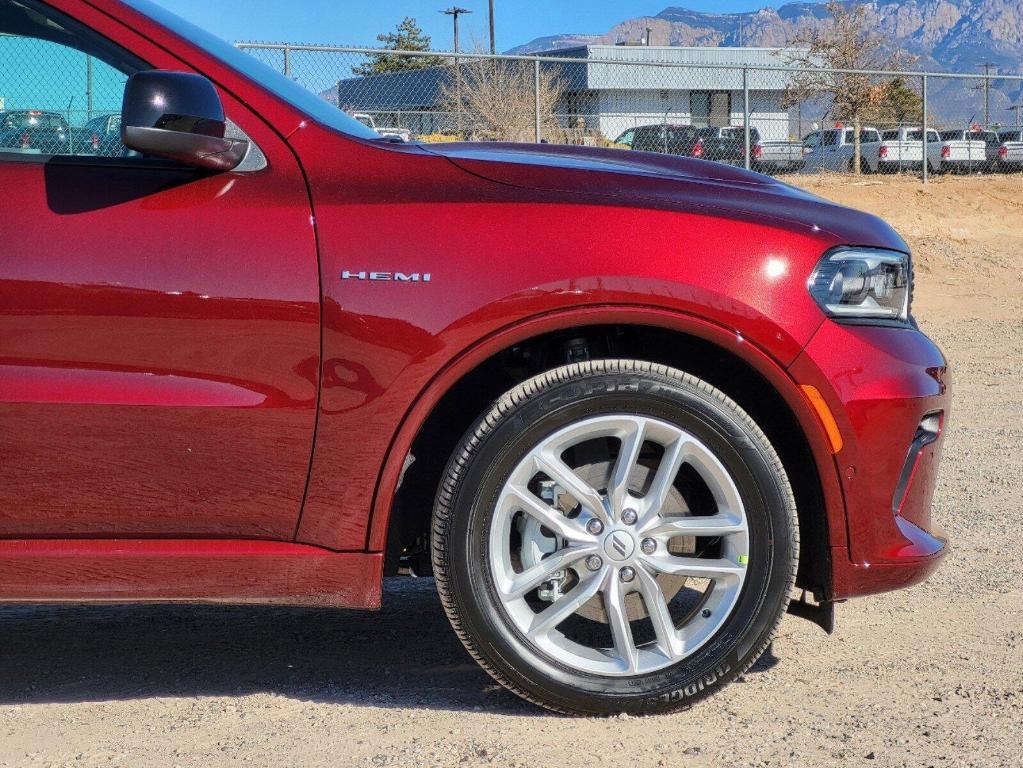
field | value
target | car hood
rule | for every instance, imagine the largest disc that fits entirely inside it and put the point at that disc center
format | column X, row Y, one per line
column 636, row 178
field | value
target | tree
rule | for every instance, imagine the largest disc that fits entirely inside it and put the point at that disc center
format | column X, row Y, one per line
column 848, row 41
column 897, row 103
column 498, row 99
column 407, row 36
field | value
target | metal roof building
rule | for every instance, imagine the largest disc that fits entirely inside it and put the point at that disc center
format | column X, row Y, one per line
column 612, row 88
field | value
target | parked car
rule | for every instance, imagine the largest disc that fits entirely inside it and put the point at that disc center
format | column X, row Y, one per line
column 619, row 405
column 903, row 150
column 992, row 144
column 1010, row 151
column 100, row 136
column 963, row 151
column 768, row 156
column 33, row 131
column 665, row 139
column 688, row 140
column 721, row 147
column 625, row 138
column 834, row 149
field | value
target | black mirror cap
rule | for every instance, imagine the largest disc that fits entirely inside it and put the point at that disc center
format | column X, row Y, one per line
column 173, row 101
column 178, row 116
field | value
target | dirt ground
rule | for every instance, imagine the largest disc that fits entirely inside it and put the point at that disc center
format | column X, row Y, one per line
column 932, row 676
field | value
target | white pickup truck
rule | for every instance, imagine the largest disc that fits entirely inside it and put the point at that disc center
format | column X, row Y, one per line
column 385, row 131
column 833, row 149
column 968, row 150
column 1010, row 152
column 902, row 150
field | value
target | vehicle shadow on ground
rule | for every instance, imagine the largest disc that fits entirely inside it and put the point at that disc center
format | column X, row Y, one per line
column 406, row 655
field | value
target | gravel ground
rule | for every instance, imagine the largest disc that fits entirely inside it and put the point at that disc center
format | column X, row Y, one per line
column 931, row 676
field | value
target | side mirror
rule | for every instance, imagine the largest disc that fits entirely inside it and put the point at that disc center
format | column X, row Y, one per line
column 178, row 116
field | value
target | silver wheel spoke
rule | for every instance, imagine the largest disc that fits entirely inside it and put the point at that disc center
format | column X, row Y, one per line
column 582, row 492
column 521, row 583
column 550, row 517
column 671, row 462
column 628, row 455
column 550, row 617
column 697, row 567
column 712, row 525
column 618, row 618
column 668, row 642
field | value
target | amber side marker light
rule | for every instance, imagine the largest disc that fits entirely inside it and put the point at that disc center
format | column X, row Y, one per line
column 824, row 414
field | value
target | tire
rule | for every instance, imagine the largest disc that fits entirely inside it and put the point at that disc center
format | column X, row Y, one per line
column 730, row 476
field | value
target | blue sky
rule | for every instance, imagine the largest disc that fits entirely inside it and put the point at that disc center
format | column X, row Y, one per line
column 357, row 22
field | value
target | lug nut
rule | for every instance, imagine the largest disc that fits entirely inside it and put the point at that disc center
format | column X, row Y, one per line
column 629, row 516
column 594, row 563
column 595, row 526
column 649, row 546
column 627, row 574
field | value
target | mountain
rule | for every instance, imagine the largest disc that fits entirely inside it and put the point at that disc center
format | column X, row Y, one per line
column 951, row 35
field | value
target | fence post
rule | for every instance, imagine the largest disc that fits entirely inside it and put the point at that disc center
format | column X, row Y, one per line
column 923, row 135
column 536, row 99
column 287, row 62
column 745, row 113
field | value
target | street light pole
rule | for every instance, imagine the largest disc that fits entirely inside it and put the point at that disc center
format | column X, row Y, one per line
column 454, row 12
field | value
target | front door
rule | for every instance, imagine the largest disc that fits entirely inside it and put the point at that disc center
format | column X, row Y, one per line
column 159, row 326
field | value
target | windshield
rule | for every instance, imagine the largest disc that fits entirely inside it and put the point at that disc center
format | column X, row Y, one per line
column 255, row 70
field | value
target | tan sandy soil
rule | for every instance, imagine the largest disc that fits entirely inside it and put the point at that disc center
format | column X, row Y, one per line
column 932, row 676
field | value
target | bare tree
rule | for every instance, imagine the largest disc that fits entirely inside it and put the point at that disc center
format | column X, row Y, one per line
column 847, row 41
column 498, row 98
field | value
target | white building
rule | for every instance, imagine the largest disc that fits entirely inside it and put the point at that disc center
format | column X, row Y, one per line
column 657, row 84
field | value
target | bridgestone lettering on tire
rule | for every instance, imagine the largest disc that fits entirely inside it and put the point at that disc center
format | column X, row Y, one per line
column 615, row 536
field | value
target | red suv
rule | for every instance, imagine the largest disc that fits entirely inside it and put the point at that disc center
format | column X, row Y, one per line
column 621, row 405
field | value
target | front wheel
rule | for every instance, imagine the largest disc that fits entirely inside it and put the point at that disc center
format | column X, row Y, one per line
column 615, row 536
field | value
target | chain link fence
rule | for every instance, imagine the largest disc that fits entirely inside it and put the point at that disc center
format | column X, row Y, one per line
column 680, row 101
column 55, row 99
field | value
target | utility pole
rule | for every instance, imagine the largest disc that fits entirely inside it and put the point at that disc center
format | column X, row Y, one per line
column 454, row 12
column 987, row 93
column 493, row 39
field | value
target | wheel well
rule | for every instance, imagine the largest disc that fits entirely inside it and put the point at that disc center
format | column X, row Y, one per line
column 460, row 408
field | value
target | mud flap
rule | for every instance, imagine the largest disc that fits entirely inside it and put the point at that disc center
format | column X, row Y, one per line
column 821, row 614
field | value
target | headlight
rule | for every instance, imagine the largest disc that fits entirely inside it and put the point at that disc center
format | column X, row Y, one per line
column 863, row 284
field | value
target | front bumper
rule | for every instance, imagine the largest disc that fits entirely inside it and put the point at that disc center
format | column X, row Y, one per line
column 883, row 385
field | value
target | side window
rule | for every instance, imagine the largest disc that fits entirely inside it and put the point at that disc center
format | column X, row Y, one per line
column 829, row 138
column 61, row 85
column 812, row 140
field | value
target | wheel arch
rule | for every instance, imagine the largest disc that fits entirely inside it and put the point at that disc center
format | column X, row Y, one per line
column 457, row 395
